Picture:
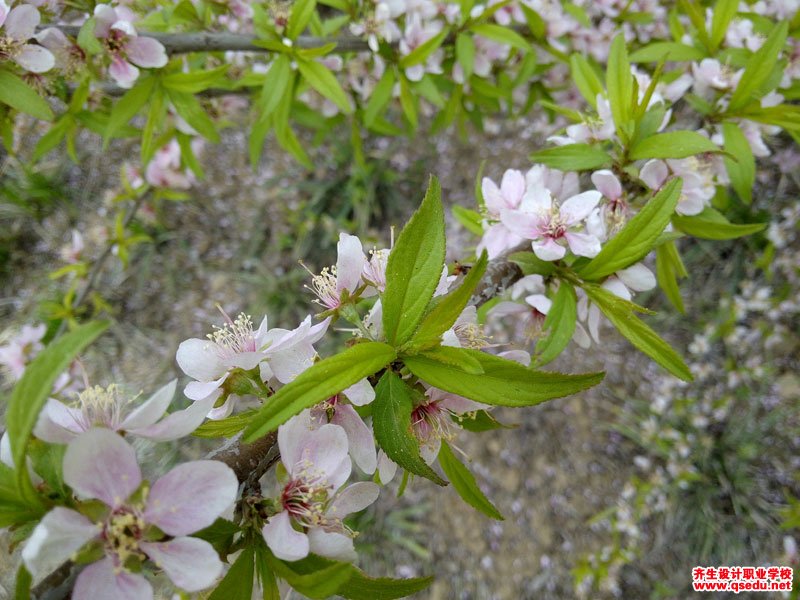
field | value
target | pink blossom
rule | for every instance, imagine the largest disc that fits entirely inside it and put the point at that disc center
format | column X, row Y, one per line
column 100, row 465
column 498, row 237
column 17, row 26
column 552, row 226
column 432, row 422
column 532, row 313
column 334, row 284
column 124, row 45
column 312, row 501
column 164, row 170
column 22, row 348
column 108, row 407
column 697, row 175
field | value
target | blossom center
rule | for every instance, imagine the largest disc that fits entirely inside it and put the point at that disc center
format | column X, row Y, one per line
column 324, row 287
column 431, row 422
column 100, row 406
column 234, row 337
column 122, row 531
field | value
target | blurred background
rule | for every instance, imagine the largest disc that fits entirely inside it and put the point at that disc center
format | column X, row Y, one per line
column 615, row 493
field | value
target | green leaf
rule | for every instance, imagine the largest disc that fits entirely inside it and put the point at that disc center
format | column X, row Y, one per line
column 673, row 144
column 22, row 589
column 559, row 323
column 408, row 103
column 421, row 53
column 666, row 51
column 391, row 421
column 414, row 268
column 449, row 355
column 380, row 97
column 14, row 509
column 712, row 225
column 572, row 157
column 324, row 379
column 87, row 40
column 228, row 427
column 302, row 11
column 464, row 483
column 669, row 267
column 480, row 420
column 638, row 237
column 465, row 53
column 585, row 79
column 621, row 314
column 724, row 11
column 53, row 137
column 759, row 68
column 532, row 264
column 470, row 219
column 503, row 382
column 238, row 581
column 188, row 107
column 317, row 584
column 195, row 81
column 269, row 584
column 444, row 314
column 19, row 95
column 619, row 83
column 325, row 82
column 501, row 34
column 219, row 534
column 32, row 390
column 155, row 119
column 127, row 106
column 742, row 167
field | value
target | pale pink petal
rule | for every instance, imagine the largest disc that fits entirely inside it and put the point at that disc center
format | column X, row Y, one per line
column 537, row 199
column 638, row 277
column 492, row 196
column 577, row 208
column 506, row 308
column 287, row 364
column 191, row 496
column 292, row 437
column 152, row 409
column 124, row 26
column 518, row 356
column 55, row 538
column 524, row 225
column 690, row 205
column 123, row 72
column 283, row 540
column 146, row 52
column 654, row 174
column 104, row 17
column 360, row 393
column 244, row 360
column 101, row 580
column 3, row 12
column 35, row 58
column 548, row 249
column 200, row 360
column 497, row 239
column 539, row 302
column 178, row 424
column 616, row 287
column 387, row 468
column 332, row 545
column 326, row 448
column 350, row 262
column 607, row 183
column 100, row 464
column 191, row 563
column 583, row 244
column 593, row 322
column 21, row 22
column 430, row 450
column 354, row 498
column 512, row 188
column 58, row 423
column 359, row 437
column 200, row 390
column 223, row 411
column 580, row 337
column 460, row 405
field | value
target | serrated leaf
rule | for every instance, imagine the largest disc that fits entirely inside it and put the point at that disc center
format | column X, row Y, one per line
column 447, row 310
column 559, row 324
column 380, row 97
column 227, row 427
column 319, row 382
column 325, row 82
column 503, row 382
column 573, row 157
column 585, row 78
column 87, row 40
column 669, row 268
column 302, row 11
column 421, row 53
column 32, row 390
column 619, row 312
column 501, row 34
column 128, row 105
column 532, row 264
column 391, row 421
column 19, row 95
column 759, row 68
column 724, row 11
column 480, row 420
column 712, row 225
column 317, row 584
column 638, row 236
column 673, row 144
column 464, row 483
column 742, row 170
column 465, row 53
column 195, row 81
column 619, row 83
column 414, row 268
column 470, row 219
column 188, row 107
column 666, row 51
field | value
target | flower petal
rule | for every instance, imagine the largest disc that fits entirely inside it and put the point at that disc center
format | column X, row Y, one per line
column 283, row 540
column 21, row 22
column 350, row 262
column 326, row 448
column 548, row 249
column 513, row 188
column 100, row 464
column 579, row 207
column 58, row 423
column 57, row 536
column 35, row 58
column 123, row 72
column 526, row 225
column 607, row 184
column 101, row 580
column 360, row 393
column 638, row 277
column 359, row 437
column 146, row 52
column 104, row 17
column 292, row 437
column 654, row 174
column 178, row 424
column 152, row 409
column 583, row 244
column 199, row 360
column 387, row 468
column 354, row 498
column 191, row 496
column 332, row 545
column 200, row 390
column 191, row 563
